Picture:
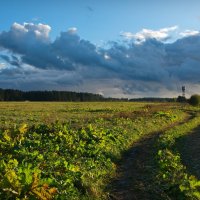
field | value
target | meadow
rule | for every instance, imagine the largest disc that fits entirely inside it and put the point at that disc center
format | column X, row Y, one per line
column 71, row 150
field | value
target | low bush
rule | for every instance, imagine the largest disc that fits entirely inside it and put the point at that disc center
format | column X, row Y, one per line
column 195, row 100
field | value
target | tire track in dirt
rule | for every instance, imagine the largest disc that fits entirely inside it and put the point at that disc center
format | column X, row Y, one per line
column 136, row 171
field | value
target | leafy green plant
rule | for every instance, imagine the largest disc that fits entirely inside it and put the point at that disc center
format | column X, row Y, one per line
column 172, row 175
column 168, row 115
column 72, row 159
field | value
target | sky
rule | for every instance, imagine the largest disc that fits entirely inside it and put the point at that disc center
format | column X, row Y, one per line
column 115, row 48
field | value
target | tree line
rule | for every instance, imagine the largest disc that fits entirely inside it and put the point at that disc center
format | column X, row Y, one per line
column 18, row 95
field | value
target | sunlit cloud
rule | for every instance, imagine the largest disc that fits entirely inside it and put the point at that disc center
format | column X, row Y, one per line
column 188, row 33
column 72, row 30
column 145, row 34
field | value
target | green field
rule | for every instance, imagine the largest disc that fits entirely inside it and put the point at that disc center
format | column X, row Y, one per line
column 74, row 150
column 47, row 112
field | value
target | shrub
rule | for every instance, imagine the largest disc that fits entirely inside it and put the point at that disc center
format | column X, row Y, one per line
column 195, row 100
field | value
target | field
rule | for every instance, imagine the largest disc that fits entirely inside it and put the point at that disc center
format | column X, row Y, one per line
column 112, row 150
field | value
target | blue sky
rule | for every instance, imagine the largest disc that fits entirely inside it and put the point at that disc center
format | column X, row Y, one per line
column 71, row 37
column 101, row 20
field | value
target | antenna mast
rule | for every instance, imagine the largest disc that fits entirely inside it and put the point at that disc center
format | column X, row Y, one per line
column 183, row 91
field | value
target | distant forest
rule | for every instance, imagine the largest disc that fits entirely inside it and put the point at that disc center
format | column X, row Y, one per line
column 18, row 95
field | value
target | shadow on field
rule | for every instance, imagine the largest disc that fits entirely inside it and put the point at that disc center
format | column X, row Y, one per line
column 135, row 177
column 189, row 148
column 136, row 171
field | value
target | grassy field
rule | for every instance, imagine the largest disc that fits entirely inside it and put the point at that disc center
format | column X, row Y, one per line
column 48, row 112
column 72, row 150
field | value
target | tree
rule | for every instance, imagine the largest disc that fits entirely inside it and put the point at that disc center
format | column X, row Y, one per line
column 195, row 100
column 181, row 99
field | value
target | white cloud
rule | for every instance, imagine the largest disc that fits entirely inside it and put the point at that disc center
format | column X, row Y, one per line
column 188, row 33
column 127, row 35
column 106, row 57
column 18, row 27
column 40, row 30
column 144, row 34
column 2, row 65
column 72, row 30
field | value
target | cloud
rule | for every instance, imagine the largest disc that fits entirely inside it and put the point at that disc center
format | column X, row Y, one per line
column 40, row 30
column 188, row 33
column 13, row 60
column 31, row 60
column 69, row 47
column 72, row 30
column 32, row 43
column 145, row 34
column 107, row 57
column 2, row 66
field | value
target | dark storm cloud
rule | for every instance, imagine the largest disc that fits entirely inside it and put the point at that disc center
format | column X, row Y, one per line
column 31, row 42
column 139, row 62
column 183, row 58
column 69, row 46
column 12, row 61
column 6, row 58
column 148, row 65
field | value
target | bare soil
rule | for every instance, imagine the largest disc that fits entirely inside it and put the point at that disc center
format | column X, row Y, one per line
column 136, row 172
column 135, row 178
